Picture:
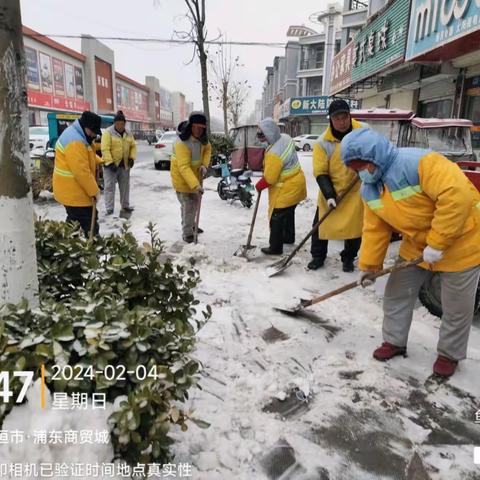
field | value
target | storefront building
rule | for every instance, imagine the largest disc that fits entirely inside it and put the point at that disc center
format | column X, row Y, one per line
column 60, row 79
column 448, row 32
column 371, row 67
column 132, row 99
column 55, row 78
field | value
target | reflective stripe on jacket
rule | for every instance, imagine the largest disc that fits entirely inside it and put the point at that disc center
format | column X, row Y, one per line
column 422, row 195
column 284, row 174
column 187, row 158
column 74, row 182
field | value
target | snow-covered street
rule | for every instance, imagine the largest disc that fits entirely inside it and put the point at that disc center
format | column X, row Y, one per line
column 292, row 398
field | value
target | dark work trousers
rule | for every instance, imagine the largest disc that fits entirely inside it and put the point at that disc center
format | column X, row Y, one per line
column 319, row 247
column 282, row 228
column 83, row 215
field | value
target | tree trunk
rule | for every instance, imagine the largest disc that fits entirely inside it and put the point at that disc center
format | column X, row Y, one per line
column 18, row 266
column 225, row 107
column 203, row 69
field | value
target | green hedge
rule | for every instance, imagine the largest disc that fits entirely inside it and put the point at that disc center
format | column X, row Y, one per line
column 111, row 302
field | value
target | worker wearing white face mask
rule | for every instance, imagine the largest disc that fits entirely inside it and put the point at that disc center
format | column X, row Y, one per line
column 430, row 201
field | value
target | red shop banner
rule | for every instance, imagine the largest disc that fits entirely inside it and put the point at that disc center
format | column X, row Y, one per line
column 45, row 100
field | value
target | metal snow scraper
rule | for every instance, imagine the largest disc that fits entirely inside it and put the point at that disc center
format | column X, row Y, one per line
column 284, row 263
column 299, row 309
column 243, row 250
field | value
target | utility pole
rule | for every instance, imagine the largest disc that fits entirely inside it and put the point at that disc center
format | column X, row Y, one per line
column 18, row 266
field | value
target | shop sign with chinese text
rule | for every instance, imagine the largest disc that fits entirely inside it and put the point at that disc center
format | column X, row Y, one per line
column 314, row 105
column 434, row 23
column 382, row 42
column 341, row 76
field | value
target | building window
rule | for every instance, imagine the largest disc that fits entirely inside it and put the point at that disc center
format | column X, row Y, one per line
column 314, row 86
column 312, row 57
column 358, row 4
column 319, row 53
column 438, row 109
column 338, row 44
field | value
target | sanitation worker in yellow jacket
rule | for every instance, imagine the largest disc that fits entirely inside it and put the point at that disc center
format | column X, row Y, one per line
column 74, row 175
column 430, row 201
column 333, row 177
column 119, row 151
column 188, row 167
column 284, row 178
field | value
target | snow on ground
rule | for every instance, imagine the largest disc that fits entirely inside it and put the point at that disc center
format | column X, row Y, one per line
column 297, row 398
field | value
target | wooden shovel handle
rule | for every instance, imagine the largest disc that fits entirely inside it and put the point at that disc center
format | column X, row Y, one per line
column 349, row 286
column 197, row 214
column 320, row 220
column 252, row 224
column 93, row 221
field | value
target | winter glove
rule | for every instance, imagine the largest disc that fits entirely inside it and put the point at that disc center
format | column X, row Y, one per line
column 261, row 185
column 111, row 166
column 331, row 203
column 365, row 279
column 326, row 186
column 96, row 198
column 431, row 255
column 203, row 171
column 131, row 161
column 199, row 190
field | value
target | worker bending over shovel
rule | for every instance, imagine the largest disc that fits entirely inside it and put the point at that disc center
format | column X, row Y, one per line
column 428, row 199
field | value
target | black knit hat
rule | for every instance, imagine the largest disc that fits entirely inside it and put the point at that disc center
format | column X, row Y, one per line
column 92, row 121
column 338, row 106
column 119, row 117
column 197, row 117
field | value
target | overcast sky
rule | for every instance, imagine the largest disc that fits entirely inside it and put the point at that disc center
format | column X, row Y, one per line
column 240, row 20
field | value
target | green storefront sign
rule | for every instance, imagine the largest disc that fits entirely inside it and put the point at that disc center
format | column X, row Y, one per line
column 382, row 42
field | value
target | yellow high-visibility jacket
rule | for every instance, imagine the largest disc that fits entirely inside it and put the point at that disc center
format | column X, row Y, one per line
column 118, row 148
column 284, row 174
column 187, row 158
column 346, row 220
column 74, row 182
column 422, row 195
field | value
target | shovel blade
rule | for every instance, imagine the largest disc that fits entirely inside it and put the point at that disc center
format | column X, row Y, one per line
column 243, row 250
column 292, row 312
column 277, row 268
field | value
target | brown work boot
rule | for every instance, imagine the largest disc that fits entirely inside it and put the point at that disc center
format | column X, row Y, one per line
column 444, row 366
column 387, row 351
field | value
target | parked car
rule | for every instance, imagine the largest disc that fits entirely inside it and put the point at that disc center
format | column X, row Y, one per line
column 38, row 138
column 305, row 142
column 163, row 150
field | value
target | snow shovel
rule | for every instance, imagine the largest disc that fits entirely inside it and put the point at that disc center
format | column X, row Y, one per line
column 197, row 216
column 299, row 309
column 284, row 263
column 243, row 250
column 92, row 223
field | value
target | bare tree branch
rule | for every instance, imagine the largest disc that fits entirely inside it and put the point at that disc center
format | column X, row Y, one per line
column 198, row 35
